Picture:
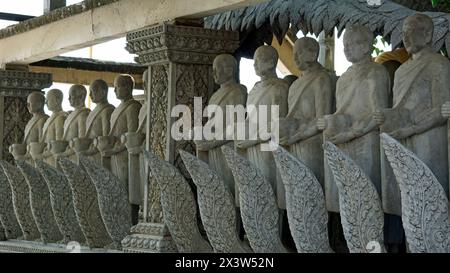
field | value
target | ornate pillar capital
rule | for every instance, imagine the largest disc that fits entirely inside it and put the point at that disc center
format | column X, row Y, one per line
column 180, row 44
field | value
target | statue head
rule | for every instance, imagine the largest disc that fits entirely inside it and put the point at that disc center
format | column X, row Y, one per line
column 358, row 43
column 77, row 95
column 266, row 59
column 417, row 32
column 36, row 102
column 306, row 52
column 98, row 91
column 224, row 68
column 123, row 86
column 54, row 100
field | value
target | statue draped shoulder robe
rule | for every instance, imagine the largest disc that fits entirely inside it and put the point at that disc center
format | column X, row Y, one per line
column 74, row 127
column 270, row 92
column 360, row 91
column 223, row 97
column 98, row 124
column 123, row 120
column 310, row 98
column 421, row 87
column 53, row 129
column 34, row 128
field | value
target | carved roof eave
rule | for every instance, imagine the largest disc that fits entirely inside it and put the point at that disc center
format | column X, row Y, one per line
column 324, row 15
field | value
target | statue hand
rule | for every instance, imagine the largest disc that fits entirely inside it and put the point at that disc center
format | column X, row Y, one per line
column 321, row 124
column 403, row 132
column 445, row 110
column 378, row 116
column 342, row 137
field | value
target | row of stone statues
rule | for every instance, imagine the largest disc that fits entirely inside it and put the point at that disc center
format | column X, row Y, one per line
column 78, row 173
column 308, row 119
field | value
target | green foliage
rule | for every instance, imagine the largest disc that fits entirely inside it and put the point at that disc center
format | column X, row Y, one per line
column 377, row 51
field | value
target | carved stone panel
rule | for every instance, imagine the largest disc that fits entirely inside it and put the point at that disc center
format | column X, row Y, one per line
column 21, row 201
column 86, row 205
column 62, row 202
column 7, row 214
column 40, row 203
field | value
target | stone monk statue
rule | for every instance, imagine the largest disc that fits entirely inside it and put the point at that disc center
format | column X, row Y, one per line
column 360, row 91
column 75, row 124
column 124, row 119
column 230, row 93
column 421, row 87
column 33, row 129
column 310, row 98
column 97, row 122
column 271, row 90
column 52, row 132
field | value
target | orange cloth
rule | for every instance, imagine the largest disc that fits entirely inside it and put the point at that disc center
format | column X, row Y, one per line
column 400, row 55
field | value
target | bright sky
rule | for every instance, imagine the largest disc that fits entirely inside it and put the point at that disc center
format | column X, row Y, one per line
column 114, row 50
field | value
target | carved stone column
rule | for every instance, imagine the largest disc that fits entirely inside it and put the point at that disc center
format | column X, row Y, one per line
column 14, row 89
column 180, row 68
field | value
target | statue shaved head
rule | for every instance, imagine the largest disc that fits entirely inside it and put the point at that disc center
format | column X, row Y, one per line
column 98, row 91
column 123, row 86
column 224, row 68
column 77, row 95
column 36, row 102
column 417, row 32
column 358, row 43
column 306, row 51
column 54, row 99
column 266, row 59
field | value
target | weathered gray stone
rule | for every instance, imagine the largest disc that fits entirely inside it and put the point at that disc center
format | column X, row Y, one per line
column 360, row 92
column 112, row 199
column 259, row 209
column 62, row 202
column 21, row 201
column 179, row 207
column 216, row 206
column 149, row 238
column 360, row 206
column 305, row 204
column 40, row 203
column 86, row 204
column 425, row 207
column 268, row 92
column 421, row 87
column 7, row 215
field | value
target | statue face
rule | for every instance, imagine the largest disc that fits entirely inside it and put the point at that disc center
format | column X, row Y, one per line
column 122, row 92
column 303, row 57
column 355, row 48
column 264, row 62
column 52, row 102
column 34, row 104
column 413, row 39
column 222, row 72
column 96, row 95
column 76, row 98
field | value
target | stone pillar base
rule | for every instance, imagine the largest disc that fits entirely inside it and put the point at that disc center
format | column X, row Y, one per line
column 149, row 238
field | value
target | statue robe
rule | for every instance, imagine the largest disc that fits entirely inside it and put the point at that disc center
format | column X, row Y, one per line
column 236, row 95
column 125, row 119
column 360, row 91
column 310, row 98
column 75, row 127
column 270, row 92
column 34, row 128
column 53, row 130
column 420, row 85
column 98, row 124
